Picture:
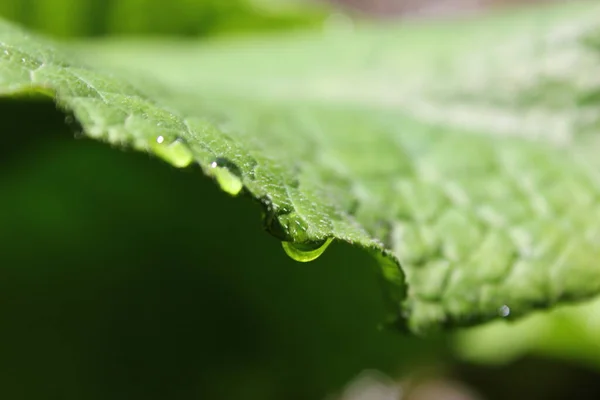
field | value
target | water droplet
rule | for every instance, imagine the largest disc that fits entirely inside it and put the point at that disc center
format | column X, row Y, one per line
column 177, row 153
column 305, row 252
column 267, row 203
column 504, row 311
column 250, row 168
column 228, row 175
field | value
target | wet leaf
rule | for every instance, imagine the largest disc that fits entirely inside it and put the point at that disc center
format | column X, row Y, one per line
column 461, row 155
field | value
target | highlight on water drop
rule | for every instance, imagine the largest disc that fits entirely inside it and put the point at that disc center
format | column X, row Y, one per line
column 176, row 153
column 227, row 175
column 504, row 311
column 305, row 252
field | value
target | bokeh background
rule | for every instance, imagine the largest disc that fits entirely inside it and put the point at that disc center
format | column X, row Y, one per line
column 124, row 278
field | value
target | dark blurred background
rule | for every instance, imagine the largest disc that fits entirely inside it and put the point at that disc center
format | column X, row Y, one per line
column 124, row 278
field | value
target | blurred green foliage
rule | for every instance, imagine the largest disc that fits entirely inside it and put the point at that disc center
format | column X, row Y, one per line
column 76, row 18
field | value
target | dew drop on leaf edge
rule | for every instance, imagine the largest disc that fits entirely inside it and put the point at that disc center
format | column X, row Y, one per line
column 227, row 176
column 176, row 153
column 305, row 252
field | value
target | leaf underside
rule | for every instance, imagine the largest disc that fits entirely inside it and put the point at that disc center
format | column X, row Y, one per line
column 469, row 162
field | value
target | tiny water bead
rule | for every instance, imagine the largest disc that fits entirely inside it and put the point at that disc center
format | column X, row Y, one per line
column 176, row 153
column 504, row 311
column 227, row 175
column 305, row 252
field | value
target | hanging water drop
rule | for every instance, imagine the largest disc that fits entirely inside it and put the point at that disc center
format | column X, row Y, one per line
column 305, row 252
column 504, row 311
column 228, row 176
column 176, row 153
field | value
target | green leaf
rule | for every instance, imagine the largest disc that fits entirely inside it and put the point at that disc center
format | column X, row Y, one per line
column 463, row 152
